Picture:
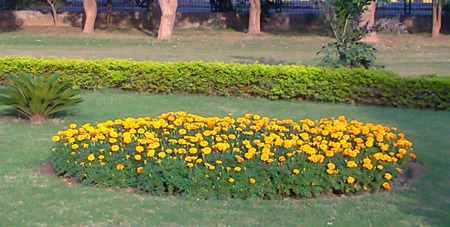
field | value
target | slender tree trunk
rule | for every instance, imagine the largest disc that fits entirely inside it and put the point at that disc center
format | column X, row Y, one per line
column 437, row 19
column 168, row 10
column 90, row 9
column 367, row 19
column 54, row 14
column 254, row 22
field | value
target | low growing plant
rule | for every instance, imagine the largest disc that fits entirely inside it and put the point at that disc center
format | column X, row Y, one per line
column 249, row 156
column 40, row 97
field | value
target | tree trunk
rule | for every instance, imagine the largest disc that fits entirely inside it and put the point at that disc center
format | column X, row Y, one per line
column 254, row 22
column 437, row 18
column 54, row 14
column 367, row 19
column 168, row 10
column 90, row 9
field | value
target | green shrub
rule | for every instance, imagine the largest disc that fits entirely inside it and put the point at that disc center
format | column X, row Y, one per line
column 40, row 97
column 244, row 80
column 249, row 156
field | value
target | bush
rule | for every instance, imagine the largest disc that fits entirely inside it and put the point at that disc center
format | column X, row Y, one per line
column 249, row 156
column 245, row 80
column 40, row 97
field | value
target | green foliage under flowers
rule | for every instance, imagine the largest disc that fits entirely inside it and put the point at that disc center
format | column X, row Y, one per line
column 250, row 156
column 244, row 80
column 40, row 97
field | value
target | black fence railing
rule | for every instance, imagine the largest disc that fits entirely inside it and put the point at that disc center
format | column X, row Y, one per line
column 395, row 8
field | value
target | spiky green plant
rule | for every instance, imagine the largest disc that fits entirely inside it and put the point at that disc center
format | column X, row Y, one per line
column 40, row 97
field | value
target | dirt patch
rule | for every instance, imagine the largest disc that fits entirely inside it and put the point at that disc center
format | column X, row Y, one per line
column 413, row 173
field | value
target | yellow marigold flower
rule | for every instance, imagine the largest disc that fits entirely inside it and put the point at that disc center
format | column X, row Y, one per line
column 387, row 176
column 120, row 166
column 91, row 157
column 101, row 157
column 141, row 131
column 289, row 154
column 264, row 157
column 281, row 159
column 248, row 155
column 182, row 131
column 401, row 151
column 237, row 169
column 204, row 143
column 73, row 126
column 162, row 154
column 127, row 156
column 228, row 168
column 380, row 167
column 218, row 162
column 231, row 180
column 112, row 140
column 239, row 159
column 398, row 170
column 252, row 180
column 329, row 153
column 331, row 166
column 295, row 171
column 350, row 180
column 150, row 153
column 367, row 161
column 365, row 188
column 193, row 150
column 325, row 132
column 386, row 186
column 139, row 149
column 189, row 165
column 330, row 171
column 139, row 169
column 368, row 166
column 137, row 157
column 199, row 160
column 211, row 167
column 74, row 146
column 206, row 150
column 412, row 155
column 115, row 148
column 56, row 138
column 113, row 134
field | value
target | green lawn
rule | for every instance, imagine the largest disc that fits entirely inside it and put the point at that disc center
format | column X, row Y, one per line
column 404, row 54
column 31, row 198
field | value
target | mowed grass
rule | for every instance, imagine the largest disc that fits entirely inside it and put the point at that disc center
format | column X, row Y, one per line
column 406, row 54
column 31, row 198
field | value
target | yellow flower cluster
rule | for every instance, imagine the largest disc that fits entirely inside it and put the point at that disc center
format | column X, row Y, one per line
column 198, row 140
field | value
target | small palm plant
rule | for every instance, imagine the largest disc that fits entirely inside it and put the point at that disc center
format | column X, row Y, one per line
column 40, row 97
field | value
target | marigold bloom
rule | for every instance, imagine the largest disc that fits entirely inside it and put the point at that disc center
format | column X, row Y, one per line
column 137, row 157
column 56, row 138
column 73, row 126
column 231, row 180
column 331, row 166
column 380, row 167
column 252, row 180
column 115, row 148
column 162, row 154
column 139, row 169
column 101, row 157
column 386, row 186
column 281, row 159
column 387, row 176
column 91, row 157
column 139, row 149
column 74, row 146
column 352, row 164
column 350, row 180
column 264, row 157
column 412, row 155
column 295, row 171
column 189, row 165
column 120, row 166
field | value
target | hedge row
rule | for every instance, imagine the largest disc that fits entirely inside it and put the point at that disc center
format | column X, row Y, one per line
column 243, row 80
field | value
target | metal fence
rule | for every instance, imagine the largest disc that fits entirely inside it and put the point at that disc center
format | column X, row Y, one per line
column 394, row 8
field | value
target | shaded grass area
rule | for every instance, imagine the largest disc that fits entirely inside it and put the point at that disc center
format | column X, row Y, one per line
column 403, row 54
column 29, row 197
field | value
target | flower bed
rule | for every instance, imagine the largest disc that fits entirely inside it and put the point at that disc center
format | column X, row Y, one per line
column 249, row 156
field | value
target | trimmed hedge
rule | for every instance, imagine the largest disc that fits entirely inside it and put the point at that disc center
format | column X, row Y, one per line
column 243, row 80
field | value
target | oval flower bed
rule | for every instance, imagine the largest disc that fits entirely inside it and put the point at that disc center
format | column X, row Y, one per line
column 249, row 156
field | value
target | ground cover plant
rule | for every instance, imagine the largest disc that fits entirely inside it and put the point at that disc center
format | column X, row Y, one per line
column 244, row 157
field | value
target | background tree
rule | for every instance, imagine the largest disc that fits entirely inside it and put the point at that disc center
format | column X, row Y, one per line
column 52, row 4
column 254, row 21
column 90, row 9
column 437, row 17
column 168, row 14
column 367, row 20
